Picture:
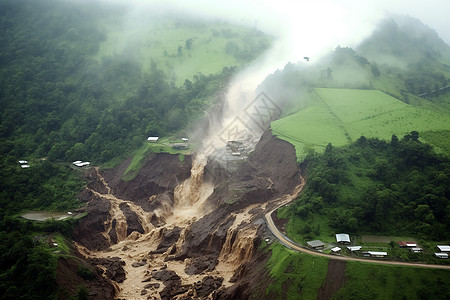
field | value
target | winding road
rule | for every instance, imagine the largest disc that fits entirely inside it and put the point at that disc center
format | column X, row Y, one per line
column 292, row 245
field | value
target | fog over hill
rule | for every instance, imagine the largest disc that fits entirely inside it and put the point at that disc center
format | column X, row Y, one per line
column 306, row 28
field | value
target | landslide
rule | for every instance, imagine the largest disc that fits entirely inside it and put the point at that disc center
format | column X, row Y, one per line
column 211, row 254
column 270, row 172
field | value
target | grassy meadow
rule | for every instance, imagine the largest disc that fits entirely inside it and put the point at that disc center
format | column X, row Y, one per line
column 183, row 49
column 340, row 116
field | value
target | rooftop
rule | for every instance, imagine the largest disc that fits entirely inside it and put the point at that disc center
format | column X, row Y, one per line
column 315, row 244
column 342, row 238
column 444, row 248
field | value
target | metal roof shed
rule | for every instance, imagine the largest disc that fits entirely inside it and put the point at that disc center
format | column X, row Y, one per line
column 342, row 238
column 354, row 248
column 441, row 255
column 316, row 244
column 153, row 139
column 443, row 248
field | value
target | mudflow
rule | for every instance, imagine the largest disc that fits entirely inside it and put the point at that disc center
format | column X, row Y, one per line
column 171, row 232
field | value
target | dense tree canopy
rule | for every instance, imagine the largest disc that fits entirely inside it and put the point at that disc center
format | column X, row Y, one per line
column 372, row 185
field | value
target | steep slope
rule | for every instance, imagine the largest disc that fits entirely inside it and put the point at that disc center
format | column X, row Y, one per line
column 183, row 254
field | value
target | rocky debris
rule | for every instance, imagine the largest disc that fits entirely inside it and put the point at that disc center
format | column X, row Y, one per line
column 165, row 275
column 197, row 265
column 171, row 281
column 140, row 263
column 152, row 286
column 113, row 233
column 94, row 181
column 144, row 292
column 88, row 230
column 113, row 265
column 208, row 285
column 133, row 222
column 169, row 238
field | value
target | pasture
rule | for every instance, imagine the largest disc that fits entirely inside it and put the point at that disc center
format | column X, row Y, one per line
column 340, row 116
column 183, row 49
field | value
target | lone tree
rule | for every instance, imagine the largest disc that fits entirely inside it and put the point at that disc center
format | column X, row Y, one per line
column 189, row 44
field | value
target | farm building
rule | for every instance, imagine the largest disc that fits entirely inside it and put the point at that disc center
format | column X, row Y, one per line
column 343, row 238
column 441, row 255
column 336, row 249
column 416, row 249
column 406, row 244
column 354, row 248
column 443, row 248
column 153, row 139
column 377, row 254
column 316, row 244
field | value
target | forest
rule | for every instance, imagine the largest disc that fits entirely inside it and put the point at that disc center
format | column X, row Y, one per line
column 397, row 187
column 64, row 98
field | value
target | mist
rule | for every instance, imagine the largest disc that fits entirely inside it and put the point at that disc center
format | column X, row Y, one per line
column 302, row 28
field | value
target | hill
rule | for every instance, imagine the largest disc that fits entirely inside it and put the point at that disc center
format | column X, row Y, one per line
column 78, row 81
column 340, row 116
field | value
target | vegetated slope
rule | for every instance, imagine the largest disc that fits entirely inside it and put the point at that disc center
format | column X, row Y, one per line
column 339, row 116
column 368, row 185
column 64, row 98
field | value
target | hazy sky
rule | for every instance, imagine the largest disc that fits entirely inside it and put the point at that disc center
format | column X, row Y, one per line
column 308, row 27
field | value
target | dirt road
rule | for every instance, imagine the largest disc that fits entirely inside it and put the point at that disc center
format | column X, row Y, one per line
column 290, row 244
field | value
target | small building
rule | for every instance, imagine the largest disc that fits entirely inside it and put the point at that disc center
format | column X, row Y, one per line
column 336, row 249
column 23, row 162
column 416, row 249
column 185, row 140
column 354, row 248
column 82, row 164
column 77, row 162
column 24, row 166
column 377, row 254
column 441, row 255
column 404, row 244
column 343, row 238
column 153, row 139
column 316, row 244
column 443, row 248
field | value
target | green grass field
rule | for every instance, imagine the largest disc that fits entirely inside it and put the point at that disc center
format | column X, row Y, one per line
column 295, row 275
column 164, row 42
column 339, row 116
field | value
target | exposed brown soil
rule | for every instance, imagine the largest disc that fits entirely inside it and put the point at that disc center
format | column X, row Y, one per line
column 209, row 255
column 334, row 281
column 69, row 280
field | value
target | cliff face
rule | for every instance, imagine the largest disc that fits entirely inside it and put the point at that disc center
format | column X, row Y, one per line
column 212, row 252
